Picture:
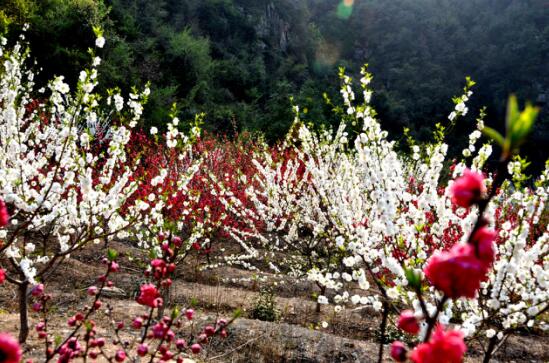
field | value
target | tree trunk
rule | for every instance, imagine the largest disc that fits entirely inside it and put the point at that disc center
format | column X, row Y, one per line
column 491, row 346
column 23, row 312
column 322, row 292
column 382, row 330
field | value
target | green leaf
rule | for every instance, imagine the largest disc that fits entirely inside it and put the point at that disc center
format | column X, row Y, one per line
column 493, row 135
column 512, row 112
column 414, row 278
column 237, row 313
column 89, row 326
column 112, row 254
column 470, row 82
column 175, row 312
column 522, row 126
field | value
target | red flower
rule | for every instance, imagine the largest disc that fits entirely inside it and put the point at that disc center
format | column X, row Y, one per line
column 137, row 323
column 120, row 356
column 408, row 322
column 458, row 272
column 2, row 276
column 196, row 348
column 149, row 296
column 37, row 290
column 142, row 350
column 444, row 347
column 4, row 215
column 10, row 350
column 398, row 351
column 483, row 240
column 467, row 189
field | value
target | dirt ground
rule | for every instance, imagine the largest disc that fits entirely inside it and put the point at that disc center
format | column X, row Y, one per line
column 296, row 337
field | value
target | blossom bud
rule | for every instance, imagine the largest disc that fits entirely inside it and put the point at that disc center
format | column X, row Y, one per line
column 202, row 338
column 137, row 323
column 92, row 290
column 2, row 276
column 177, row 241
column 120, row 325
column 100, row 342
column 181, row 344
column 167, row 356
column 196, row 348
column 37, row 307
column 209, row 330
column 484, row 239
column 114, row 267
column 97, row 304
column 142, row 350
column 4, row 215
column 159, row 330
column 189, row 313
column 408, row 322
column 120, row 356
column 37, row 290
column 398, row 351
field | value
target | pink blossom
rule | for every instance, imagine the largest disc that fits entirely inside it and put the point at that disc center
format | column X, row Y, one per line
column 467, row 189
column 196, row 348
column 484, row 239
column 37, row 290
column 142, row 350
column 137, row 323
column 398, row 351
column 443, row 344
column 408, row 322
column 189, row 314
column 4, row 215
column 457, row 272
column 149, row 296
column 10, row 350
column 120, row 356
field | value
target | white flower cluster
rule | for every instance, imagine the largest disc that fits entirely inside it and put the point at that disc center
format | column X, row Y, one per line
column 61, row 192
column 344, row 215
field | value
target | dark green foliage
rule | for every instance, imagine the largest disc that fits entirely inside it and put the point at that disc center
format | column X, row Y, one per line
column 265, row 306
column 239, row 61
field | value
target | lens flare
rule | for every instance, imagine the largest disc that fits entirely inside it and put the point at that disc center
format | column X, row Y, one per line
column 345, row 9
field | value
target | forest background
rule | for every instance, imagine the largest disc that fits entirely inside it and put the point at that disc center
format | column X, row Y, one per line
column 240, row 61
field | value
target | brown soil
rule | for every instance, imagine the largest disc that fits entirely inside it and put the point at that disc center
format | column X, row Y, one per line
column 350, row 336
